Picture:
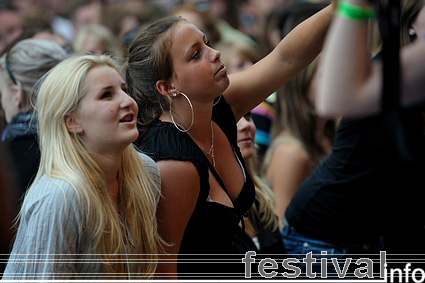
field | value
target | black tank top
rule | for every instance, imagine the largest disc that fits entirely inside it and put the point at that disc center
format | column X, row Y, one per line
column 211, row 227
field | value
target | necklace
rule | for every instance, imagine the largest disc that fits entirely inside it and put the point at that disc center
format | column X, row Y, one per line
column 211, row 151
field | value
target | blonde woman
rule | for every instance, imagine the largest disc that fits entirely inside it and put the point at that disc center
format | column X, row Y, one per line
column 92, row 204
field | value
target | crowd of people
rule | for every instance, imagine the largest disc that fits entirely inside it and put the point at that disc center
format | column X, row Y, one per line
column 150, row 139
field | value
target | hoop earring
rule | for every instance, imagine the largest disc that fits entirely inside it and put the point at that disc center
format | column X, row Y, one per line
column 216, row 102
column 191, row 109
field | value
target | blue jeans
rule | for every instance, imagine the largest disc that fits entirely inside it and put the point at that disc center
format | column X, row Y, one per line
column 296, row 243
column 298, row 246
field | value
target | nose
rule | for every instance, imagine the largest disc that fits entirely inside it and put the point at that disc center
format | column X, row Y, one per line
column 127, row 101
column 243, row 125
column 215, row 55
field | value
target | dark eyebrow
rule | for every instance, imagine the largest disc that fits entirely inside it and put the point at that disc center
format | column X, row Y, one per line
column 204, row 37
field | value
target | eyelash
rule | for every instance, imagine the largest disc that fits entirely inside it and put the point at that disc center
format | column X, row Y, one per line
column 106, row 94
column 196, row 54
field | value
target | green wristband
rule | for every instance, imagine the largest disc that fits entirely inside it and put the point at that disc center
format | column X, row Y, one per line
column 353, row 12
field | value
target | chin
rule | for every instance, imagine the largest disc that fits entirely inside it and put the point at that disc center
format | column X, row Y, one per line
column 247, row 154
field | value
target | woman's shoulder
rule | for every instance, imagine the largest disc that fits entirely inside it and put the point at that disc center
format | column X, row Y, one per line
column 57, row 192
column 286, row 147
column 293, row 151
column 164, row 141
column 148, row 162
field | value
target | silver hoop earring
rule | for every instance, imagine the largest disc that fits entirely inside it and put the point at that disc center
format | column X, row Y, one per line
column 191, row 109
column 215, row 103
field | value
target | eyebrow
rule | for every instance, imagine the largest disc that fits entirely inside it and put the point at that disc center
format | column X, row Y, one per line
column 204, row 37
column 109, row 87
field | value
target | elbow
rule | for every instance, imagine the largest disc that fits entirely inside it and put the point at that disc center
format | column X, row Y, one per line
column 326, row 105
column 326, row 111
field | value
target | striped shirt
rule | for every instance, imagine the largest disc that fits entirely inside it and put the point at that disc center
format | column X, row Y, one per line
column 51, row 242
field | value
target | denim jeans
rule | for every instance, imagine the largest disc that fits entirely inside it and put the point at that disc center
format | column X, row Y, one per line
column 326, row 255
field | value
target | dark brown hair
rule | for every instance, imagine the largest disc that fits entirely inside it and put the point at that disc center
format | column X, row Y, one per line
column 148, row 60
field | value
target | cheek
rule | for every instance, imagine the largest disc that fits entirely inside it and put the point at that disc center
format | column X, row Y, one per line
column 253, row 128
column 134, row 106
column 6, row 97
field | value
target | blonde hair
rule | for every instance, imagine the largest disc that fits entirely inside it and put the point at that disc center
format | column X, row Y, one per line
column 103, row 35
column 263, row 206
column 63, row 156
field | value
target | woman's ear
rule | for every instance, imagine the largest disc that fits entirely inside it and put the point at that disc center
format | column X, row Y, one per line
column 17, row 97
column 164, row 88
column 72, row 124
column 21, row 99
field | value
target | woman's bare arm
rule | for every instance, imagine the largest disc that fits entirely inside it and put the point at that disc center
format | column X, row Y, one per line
column 179, row 192
column 351, row 84
column 298, row 49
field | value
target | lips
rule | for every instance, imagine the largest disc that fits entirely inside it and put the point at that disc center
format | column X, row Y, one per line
column 246, row 140
column 127, row 118
column 222, row 68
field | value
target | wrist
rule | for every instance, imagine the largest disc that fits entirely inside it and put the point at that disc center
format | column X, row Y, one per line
column 355, row 10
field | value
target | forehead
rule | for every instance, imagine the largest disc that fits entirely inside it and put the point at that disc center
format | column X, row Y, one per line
column 185, row 34
column 102, row 76
column 102, row 71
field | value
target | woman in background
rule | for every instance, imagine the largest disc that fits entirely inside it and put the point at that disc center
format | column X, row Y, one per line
column 20, row 68
column 262, row 224
column 365, row 182
column 300, row 138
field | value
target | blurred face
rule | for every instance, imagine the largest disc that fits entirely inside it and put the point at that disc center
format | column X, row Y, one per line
column 246, row 135
column 92, row 46
column 265, row 6
column 84, row 15
column 10, row 28
column 193, row 18
column 197, row 67
column 238, row 63
column 106, row 115
column 8, row 99
column 419, row 24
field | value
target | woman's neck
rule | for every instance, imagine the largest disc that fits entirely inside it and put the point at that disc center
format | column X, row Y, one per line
column 110, row 164
column 201, row 129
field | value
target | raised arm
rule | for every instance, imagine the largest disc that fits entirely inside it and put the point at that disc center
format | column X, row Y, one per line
column 351, row 84
column 296, row 50
column 413, row 73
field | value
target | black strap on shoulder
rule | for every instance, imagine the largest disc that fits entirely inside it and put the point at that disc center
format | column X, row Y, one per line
column 217, row 177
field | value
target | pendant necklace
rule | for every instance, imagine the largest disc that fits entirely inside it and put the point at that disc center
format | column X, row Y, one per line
column 211, row 151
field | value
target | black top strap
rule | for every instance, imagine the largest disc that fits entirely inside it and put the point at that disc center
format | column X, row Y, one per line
column 217, row 177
